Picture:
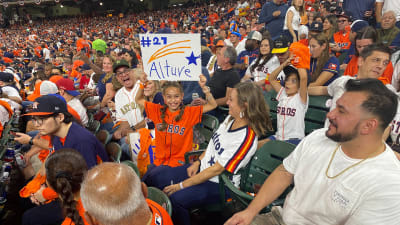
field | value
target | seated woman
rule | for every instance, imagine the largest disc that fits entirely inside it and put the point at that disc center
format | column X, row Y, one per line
column 231, row 148
column 266, row 62
column 65, row 170
column 323, row 68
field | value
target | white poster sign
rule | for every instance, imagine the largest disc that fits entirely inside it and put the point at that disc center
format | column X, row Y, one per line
column 171, row 56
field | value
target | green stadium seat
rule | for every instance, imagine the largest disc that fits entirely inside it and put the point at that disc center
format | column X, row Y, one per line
column 114, row 151
column 262, row 164
column 161, row 198
column 132, row 165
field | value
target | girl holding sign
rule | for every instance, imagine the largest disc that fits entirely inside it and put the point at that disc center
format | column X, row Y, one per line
column 174, row 121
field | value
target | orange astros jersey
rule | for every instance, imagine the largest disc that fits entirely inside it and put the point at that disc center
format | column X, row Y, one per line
column 177, row 139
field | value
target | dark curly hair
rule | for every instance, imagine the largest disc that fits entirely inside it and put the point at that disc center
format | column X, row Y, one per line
column 165, row 86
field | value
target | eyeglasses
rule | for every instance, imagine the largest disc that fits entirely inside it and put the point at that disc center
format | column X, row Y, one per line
column 39, row 120
column 119, row 73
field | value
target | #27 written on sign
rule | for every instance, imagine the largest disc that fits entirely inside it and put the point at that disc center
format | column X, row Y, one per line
column 171, row 56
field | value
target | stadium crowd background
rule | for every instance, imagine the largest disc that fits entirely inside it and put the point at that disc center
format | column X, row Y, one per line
column 82, row 59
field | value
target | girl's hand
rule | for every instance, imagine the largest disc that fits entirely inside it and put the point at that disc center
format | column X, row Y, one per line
column 169, row 190
column 202, row 81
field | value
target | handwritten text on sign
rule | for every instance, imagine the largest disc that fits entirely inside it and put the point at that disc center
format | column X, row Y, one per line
column 171, row 56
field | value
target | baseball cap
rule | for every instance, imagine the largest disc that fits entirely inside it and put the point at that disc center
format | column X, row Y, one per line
column 48, row 87
column 281, row 45
column 85, row 67
column 68, row 86
column 219, row 43
column 358, row 25
column 290, row 69
column 254, row 35
column 316, row 26
column 6, row 77
column 120, row 63
column 47, row 105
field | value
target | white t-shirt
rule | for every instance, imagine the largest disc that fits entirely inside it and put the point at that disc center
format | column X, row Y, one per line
column 46, row 53
column 290, row 114
column 365, row 194
column 126, row 107
column 77, row 105
column 226, row 146
column 261, row 73
column 296, row 19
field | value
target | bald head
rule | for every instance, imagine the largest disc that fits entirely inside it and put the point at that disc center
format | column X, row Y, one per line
column 112, row 194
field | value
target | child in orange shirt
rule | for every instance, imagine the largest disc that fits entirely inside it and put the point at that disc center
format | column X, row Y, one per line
column 174, row 121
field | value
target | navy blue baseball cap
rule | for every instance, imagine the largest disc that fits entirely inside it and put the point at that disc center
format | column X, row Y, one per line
column 47, row 105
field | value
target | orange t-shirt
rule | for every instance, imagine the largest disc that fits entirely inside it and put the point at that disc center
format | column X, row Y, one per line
column 352, row 70
column 177, row 138
column 342, row 39
column 160, row 215
column 301, row 55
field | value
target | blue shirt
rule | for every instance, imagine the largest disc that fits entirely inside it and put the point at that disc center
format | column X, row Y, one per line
column 350, row 53
column 101, row 87
column 332, row 65
column 273, row 24
column 252, row 56
column 80, row 139
column 357, row 8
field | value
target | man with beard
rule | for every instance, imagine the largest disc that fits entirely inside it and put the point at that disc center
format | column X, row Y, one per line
column 345, row 174
column 245, row 58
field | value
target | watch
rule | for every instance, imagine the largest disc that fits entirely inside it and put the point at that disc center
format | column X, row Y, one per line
column 31, row 141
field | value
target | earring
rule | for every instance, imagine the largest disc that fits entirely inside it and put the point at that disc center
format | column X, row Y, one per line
column 241, row 115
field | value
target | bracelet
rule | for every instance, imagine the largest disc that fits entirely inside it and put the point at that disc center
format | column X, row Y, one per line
column 181, row 185
column 31, row 141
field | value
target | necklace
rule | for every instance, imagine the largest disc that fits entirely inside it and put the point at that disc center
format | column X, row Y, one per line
column 355, row 164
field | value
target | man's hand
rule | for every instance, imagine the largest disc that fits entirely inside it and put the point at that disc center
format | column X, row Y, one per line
column 22, row 138
column 276, row 13
column 118, row 134
column 241, row 218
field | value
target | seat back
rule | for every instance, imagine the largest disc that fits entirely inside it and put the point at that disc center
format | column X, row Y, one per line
column 93, row 126
column 263, row 163
column 103, row 136
column 316, row 113
column 270, row 98
column 132, row 165
column 114, row 151
column 161, row 198
column 209, row 124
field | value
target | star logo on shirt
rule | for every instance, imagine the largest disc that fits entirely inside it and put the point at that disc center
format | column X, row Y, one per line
column 211, row 161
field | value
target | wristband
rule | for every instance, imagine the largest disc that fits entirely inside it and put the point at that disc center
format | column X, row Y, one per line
column 31, row 141
column 181, row 185
column 142, row 85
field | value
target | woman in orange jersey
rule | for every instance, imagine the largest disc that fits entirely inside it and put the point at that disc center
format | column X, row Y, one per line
column 231, row 148
column 65, row 170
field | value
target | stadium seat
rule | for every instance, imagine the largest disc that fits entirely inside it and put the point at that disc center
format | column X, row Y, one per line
column 103, row 136
column 93, row 126
column 209, row 124
column 161, row 198
column 316, row 113
column 262, row 164
column 132, row 165
column 114, row 151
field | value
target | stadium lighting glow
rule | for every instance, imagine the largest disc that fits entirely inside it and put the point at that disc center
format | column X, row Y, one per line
column 61, row 6
column 101, row 3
